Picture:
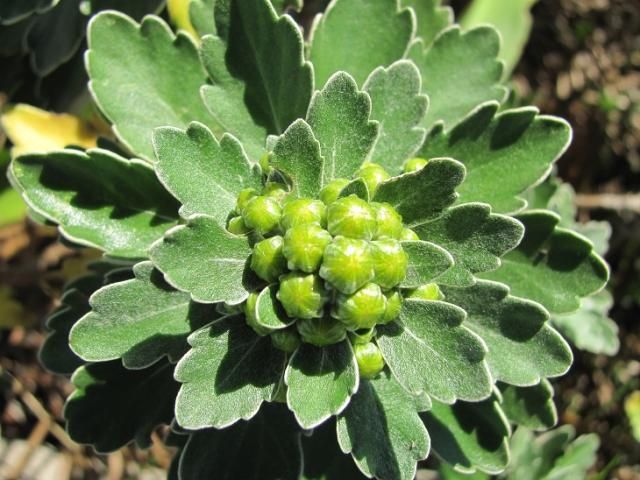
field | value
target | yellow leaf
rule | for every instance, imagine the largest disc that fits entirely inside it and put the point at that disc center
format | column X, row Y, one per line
column 179, row 14
column 632, row 407
column 32, row 130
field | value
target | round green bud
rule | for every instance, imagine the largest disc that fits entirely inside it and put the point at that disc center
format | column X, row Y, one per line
column 351, row 217
column 267, row 259
column 370, row 360
column 286, row 340
column 389, row 221
column 408, row 235
column 360, row 337
column 362, row 309
column 303, row 211
column 430, row 291
column 237, row 227
column 304, row 246
column 347, row 264
column 262, row 214
column 302, row 295
column 251, row 316
column 389, row 262
column 243, row 198
column 415, row 164
column 264, row 163
column 321, row 331
column 275, row 190
column 329, row 194
column 394, row 305
column 373, row 175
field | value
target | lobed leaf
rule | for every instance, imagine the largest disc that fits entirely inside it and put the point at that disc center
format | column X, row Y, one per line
column 383, row 34
column 516, row 146
column 98, row 198
column 431, row 18
column 202, row 258
column 427, row 261
column 12, row 12
column 269, row 312
column 530, row 407
column 226, row 376
column 202, row 18
column 475, row 237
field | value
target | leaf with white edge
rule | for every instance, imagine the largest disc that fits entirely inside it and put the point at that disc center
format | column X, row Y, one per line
column 225, row 99
column 530, row 407
column 459, row 72
column 590, row 328
column 202, row 258
column 383, row 35
column 99, row 199
column 398, row 107
column 523, row 347
column 357, row 187
column 552, row 266
column 382, row 430
column 205, row 175
column 226, row 376
column 517, row 146
column 272, row 437
column 112, row 406
column 339, row 117
column 266, row 52
column 12, row 12
column 469, row 436
column 297, row 155
column 431, row 18
column 429, row 350
column 320, row 382
column 202, row 18
column 475, row 237
column 423, row 195
column 576, row 461
column 160, row 72
column 426, row 262
column 140, row 320
column 269, row 312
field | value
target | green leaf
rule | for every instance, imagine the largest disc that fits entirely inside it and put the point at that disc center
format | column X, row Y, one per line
column 160, row 71
column 357, row 187
column 225, row 99
column 398, row 107
column 140, row 320
column 530, row 407
column 229, row 372
column 12, row 207
column 339, row 117
column 99, row 199
column 12, row 12
column 205, row 175
column 475, row 237
column 383, row 34
column 423, row 195
column 112, row 406
column 429, row 350
column 469, row 436
column 202, row 258
column 552, row 266
column 431, row 18
column 269, row 312
column 272, row 437
column 136, row 10
column 518, row 146
column 266, row 52
column 590, row 328
column 282, row 5
column 523, row 348
column 382, row 430
column 459, row 71
column 202, row 18
column 321, row 382
column 426, row 262
column 512, row 19
column 297, row 155
column 577, row 460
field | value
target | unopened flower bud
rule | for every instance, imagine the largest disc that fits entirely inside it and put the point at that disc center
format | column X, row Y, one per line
column 373, row 175
column 262, row 214
column 394, row 305
column 370, row 360
column 330, row 193
column 430, row 291
column 414, row 165
column 389, row 262
column 303, row 211
column 243, row 198
column 321, row 331
column 302, row 295
column 362, row 309
column 304, row 246
column 347, row 264
column 286, row 340
column 275, row 190
column 358, row 337
column 237, row 227
column 351, row 217
column 251, row 315
column 389, row 222
column 267, row 259
column 408, row 235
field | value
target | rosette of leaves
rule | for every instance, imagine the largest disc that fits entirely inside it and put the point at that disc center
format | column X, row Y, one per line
column 253, row 178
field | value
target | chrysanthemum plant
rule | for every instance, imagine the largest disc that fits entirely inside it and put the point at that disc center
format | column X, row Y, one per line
column 318, row 262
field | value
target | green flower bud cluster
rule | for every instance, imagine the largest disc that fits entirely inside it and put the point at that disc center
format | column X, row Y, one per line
column 337, row 262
